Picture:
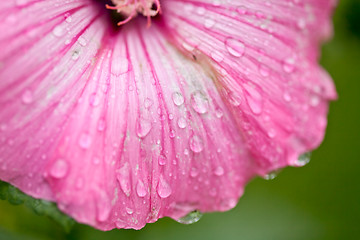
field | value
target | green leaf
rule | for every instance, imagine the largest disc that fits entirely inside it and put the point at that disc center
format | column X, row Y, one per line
column 40, row 207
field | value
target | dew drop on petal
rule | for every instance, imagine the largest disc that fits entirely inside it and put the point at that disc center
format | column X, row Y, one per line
column 58, row 31
column 123, row 177
column 162, row 160
column 303, row 159
column 234, row 47
column 227, row 204
column 234, row 99
column 271, row 133
column 85, row 141
column 196, row 144
column 314, row 100
column 182, row 122
column 94, row 100
column 219, row 113
column 199, row 102
column 27, row 97
column 192, row 217
column 163, row 189
column 129, row 210
column 287, row 97
column 194, row 172
column 254, row 100
column 148, row 103
column 264, row 70
column 59, row 169
column 219, row 171
column 172, row 133
column 79, row 183
column 217, row 56
column 141, row 189
column 82, row 41
column 143, row 128
column 272, row 175
column 209, row 23
column 178, row 98
column 289, row 65
column 101, row 125
column 75, row 55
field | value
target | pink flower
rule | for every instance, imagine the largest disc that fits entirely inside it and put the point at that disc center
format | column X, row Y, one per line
column 122, row 125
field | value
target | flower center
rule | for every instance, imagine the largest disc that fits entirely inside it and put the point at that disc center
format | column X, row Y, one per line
column 131, row 8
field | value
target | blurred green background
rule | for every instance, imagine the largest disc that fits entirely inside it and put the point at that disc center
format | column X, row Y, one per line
column 318, row 201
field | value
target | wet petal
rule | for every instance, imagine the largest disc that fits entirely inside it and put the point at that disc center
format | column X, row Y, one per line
column 122, row 128
column 265, row 55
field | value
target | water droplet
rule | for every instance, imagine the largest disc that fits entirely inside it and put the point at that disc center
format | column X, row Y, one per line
column 178, row 98
column 192, row 217
column 68, row 19
column 219, row 171
column 272, row 133
column 301, row 23
column 196, row 144
column 123, row 177
column 96, row 161
column 242, row 10
column 27, row 97
column 82, row 41
column 289, row 65
column 85, row 141
column 162, row 160
column 194, row 172
column 235, row 47
column 219, row 113
column 21, row 2
column 314, row 100
column 75, row 55
column 209, row 23
column 163, row 189
column 143, row 128
column 217, row 56
column 59, row 169
column 148, row 103
column 172, row 133
column 182, row 122
column 199, row 102
column 303, row 159
column 287, row 97
column 79, row 183
column 200, row 10
column 264, row 70
column 129, row 210
column 272, row 175
column 58, row 31
column 227, row 204
column 140, row 189
column 101, row 125
column 234, row 99
column 94, row 100
column 254, row 99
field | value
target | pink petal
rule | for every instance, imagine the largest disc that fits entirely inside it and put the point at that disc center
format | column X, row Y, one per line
column 122, row 128
column 265, row 56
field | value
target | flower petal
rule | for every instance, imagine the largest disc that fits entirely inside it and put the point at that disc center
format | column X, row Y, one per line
column 265, row 54
column 122, row 128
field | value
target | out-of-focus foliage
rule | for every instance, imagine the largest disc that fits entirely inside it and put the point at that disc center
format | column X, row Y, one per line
column 319, row 201
column 40, row 207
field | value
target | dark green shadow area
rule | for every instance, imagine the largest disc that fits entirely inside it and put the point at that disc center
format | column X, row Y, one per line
column 320, row 201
